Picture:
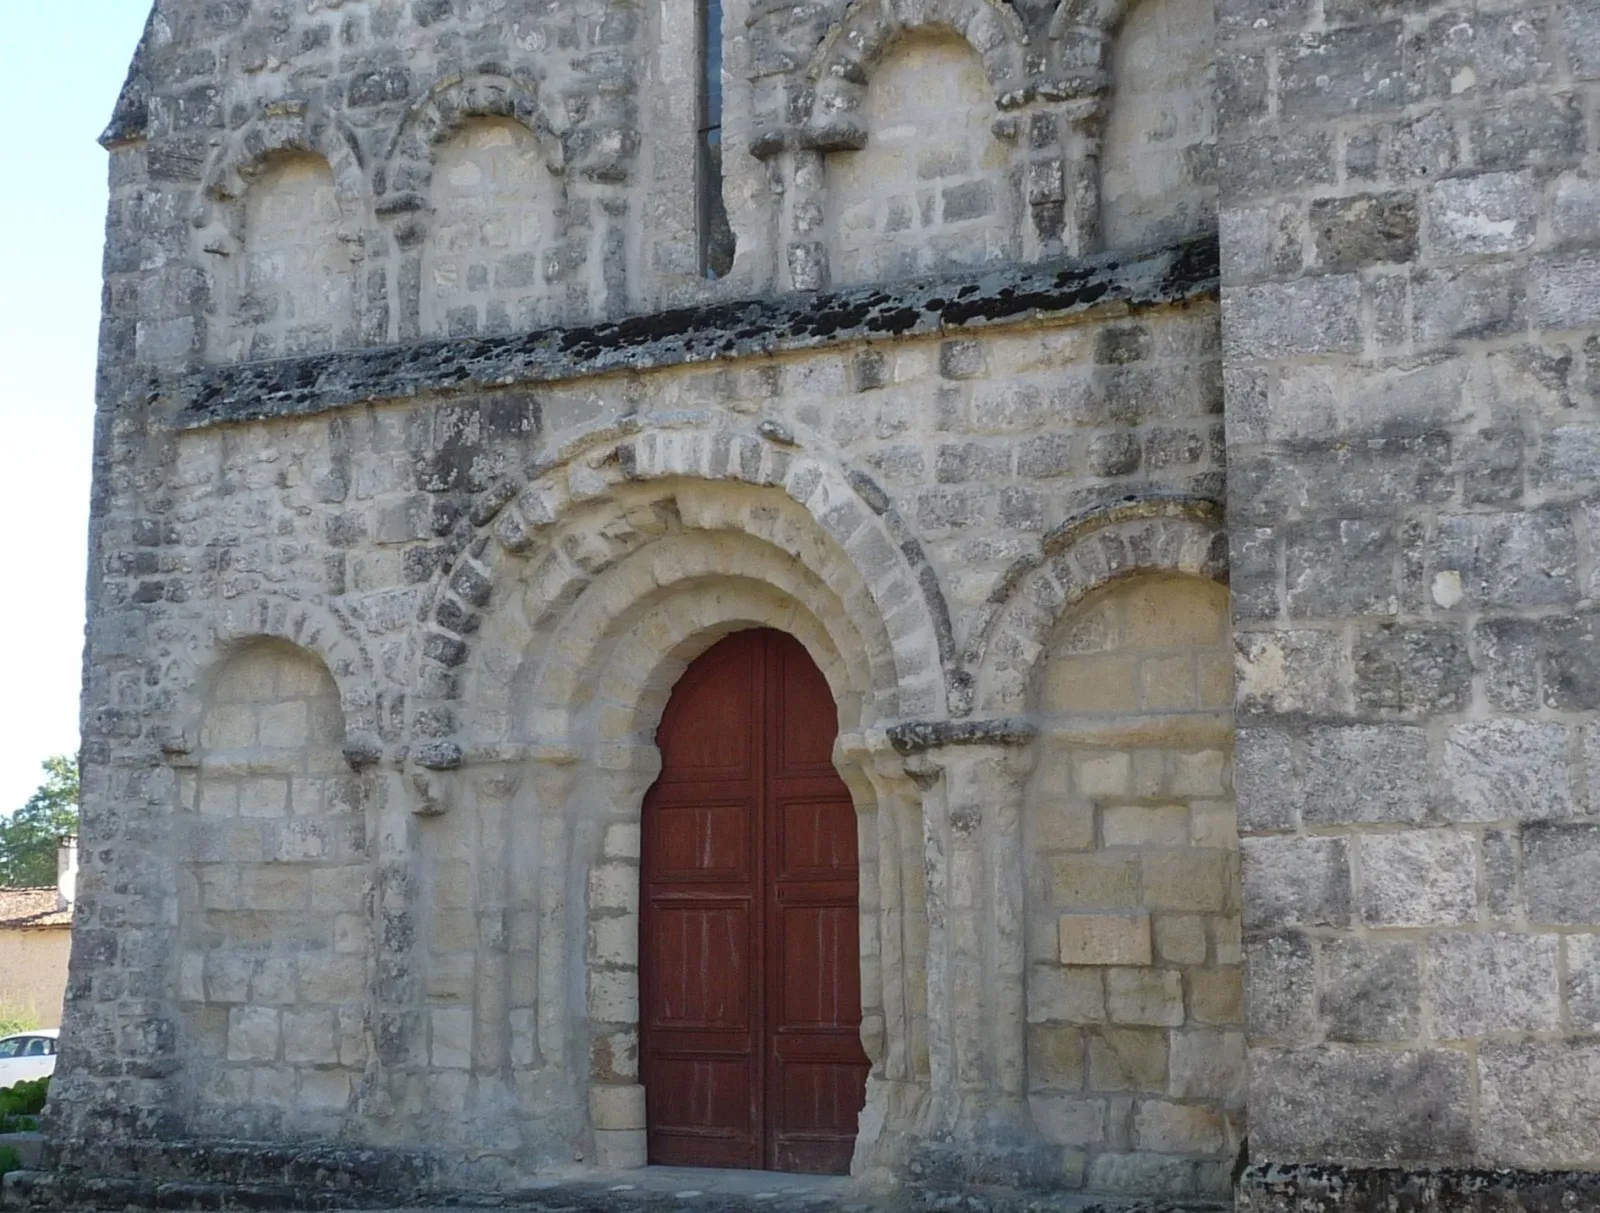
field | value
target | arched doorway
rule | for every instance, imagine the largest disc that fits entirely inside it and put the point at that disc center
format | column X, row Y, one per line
column 750, row 964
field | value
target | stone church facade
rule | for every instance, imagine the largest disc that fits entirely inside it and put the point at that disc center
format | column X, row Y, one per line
column 1168, row 428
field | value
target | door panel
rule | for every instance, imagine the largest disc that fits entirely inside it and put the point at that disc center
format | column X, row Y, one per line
column 816, row 838
column 700, row 950
column 750, row 968
column 701, row 842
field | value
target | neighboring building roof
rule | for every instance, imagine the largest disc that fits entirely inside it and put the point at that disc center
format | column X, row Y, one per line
column 27, row 909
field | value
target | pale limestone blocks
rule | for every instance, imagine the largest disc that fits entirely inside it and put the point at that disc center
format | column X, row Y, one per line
column 274, row 905
column 1134, row 990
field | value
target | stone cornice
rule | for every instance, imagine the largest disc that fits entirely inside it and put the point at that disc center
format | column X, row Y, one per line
column 921, row 307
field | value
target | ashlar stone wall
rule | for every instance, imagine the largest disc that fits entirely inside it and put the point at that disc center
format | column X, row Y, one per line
column 1410, row 313
column 428, row 455
column 1135, row 989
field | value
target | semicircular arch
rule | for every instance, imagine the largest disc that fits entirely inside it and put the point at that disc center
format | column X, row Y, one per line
column 308, row 626
column 842, row 65
column 288, row 129
column 579, row 514
column 440, row 113
column 1168, row 536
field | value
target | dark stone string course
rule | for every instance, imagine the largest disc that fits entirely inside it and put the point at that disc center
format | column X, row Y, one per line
column 300, row 386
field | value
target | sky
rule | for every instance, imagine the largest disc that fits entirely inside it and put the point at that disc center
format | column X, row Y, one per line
column 62, row 63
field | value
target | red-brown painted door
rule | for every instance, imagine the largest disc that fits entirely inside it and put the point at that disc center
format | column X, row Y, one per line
column 749, row 959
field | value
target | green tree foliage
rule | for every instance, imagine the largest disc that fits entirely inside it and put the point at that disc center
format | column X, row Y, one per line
column 28, row 837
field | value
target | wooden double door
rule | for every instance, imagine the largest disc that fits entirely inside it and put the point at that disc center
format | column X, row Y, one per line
column 750, row 972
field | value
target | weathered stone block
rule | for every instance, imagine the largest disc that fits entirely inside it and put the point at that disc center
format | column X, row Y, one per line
column 1571, row 662
column 1181, row 938
column 1169, row 1128
column 1371, row 989
column 253, row 1034
column 1291, row 319
column 1281, row 983
column 1342, row 72
column 1365, row 774
column 1128, row 1059
column 1069, row 1120
column 1145, row 996
column 1472, row 302
column 1478, row 984
column 1291, row 882
column 1489, row 213
column 1290, row 672
column 1346, row 567
column 1412, row 669
column 1539, row 1107
column 1216, row 996
column 1336, row 1101
column 1561, row 292
column 1561, row 873
column 1268, row 799
column 1508, row 769
column 1105, row 939
column 1096, row 881
column 1055, row 1055
column 617, row 1107
column 1418, row 878
column 1581, row 991
column 1066, row 995
column 1195, row 880
column 1364, row 229
column 1509, row 559
column 1208, row 1064
column 309, row 1036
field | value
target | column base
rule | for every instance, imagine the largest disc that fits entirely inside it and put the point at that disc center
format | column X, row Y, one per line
column 1314, row 1188
column 991, row 1146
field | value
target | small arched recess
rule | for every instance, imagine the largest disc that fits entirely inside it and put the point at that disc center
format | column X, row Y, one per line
column 283, row 277
column 494, row 258
column 274, row 913
column 929, row 187
column 1134, row 991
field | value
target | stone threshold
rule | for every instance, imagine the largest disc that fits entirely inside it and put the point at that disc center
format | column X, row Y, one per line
column 950, row 304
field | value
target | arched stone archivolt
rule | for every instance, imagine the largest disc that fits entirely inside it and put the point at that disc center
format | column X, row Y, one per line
column 841, row 68
column 282, row 128
column 440, row 113
column 583, row 512
column 1008, row 641
column 306, row 625
column 587, row 675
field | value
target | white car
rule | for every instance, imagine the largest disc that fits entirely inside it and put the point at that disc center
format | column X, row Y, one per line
column 27, row 1055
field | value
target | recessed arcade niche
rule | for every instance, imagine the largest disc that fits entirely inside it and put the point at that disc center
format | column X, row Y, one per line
column 929, row 191
column 492, row 259
column 273, row 904
column 1135, row 1037
column 287, row 286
